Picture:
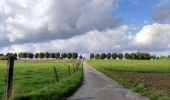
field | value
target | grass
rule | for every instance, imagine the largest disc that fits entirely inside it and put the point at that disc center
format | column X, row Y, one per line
column 36, row 80
column 150, row 78
column 147, row 66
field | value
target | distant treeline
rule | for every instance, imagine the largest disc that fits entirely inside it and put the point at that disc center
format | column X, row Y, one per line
column 132, row 56
column 46, row 55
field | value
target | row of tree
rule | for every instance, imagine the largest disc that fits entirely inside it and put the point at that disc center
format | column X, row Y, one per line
column 45, row 55
column 50, row 55
column 133, row 56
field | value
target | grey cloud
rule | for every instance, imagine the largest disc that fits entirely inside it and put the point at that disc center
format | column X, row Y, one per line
column 151, row 38
column 162, row 12
column 44, row 20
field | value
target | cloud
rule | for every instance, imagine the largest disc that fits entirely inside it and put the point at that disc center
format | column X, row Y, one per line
column 43, row 20
column 161, row 14
column 94, row 41
column 153, row 37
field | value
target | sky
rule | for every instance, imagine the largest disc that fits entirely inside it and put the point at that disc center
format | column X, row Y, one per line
column 85, row 26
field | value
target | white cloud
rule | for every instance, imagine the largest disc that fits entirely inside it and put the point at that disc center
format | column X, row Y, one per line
column 78, row 25
column 153, row 37
column 94, row 41
column 43, row 20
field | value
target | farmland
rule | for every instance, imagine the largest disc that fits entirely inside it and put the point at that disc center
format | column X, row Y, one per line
column 36, row 80
column 151, row 78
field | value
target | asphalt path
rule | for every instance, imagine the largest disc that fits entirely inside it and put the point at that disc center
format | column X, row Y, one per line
column 97, row 86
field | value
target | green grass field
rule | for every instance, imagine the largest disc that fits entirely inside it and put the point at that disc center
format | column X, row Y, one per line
column 162, row 66
column 150, row 78
column 36, row 80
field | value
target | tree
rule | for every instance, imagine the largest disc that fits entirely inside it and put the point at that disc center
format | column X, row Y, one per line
column 41, row 55
column 63, row 55
column 47, row 55
column 133, row 56
column 114, row 55
column 1, row 54
column 127, row 56
column 120, row 55
column 29, row 55
column 57, row 55
column 20, row 55
column 36, row 55
column 97, row 56
column 102, row 56
column 9, row 54
column 80, row 57
column 140, row 55
column 147, row 56
column 69, row 55
column 108, row 56
column 92, row 56
column 52, row 55
column 75, row 55
column 153, row 57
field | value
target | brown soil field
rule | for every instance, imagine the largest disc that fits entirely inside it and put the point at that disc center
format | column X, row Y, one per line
column 156, row 81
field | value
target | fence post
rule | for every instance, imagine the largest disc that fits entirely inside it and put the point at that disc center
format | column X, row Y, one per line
column 74, row 69
column 69, row 71
column 9, row 78
column 82, row 67
column 56, row 74
column 77, row 66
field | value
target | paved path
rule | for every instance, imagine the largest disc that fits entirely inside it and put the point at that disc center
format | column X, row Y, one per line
column 97, row 86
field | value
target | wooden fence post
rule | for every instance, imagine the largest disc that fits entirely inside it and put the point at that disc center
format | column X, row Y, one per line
column 69, row 71
column 9, row 78
column 56, row 74
column 82, row 67
column 77, row 66
column 74, row 69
